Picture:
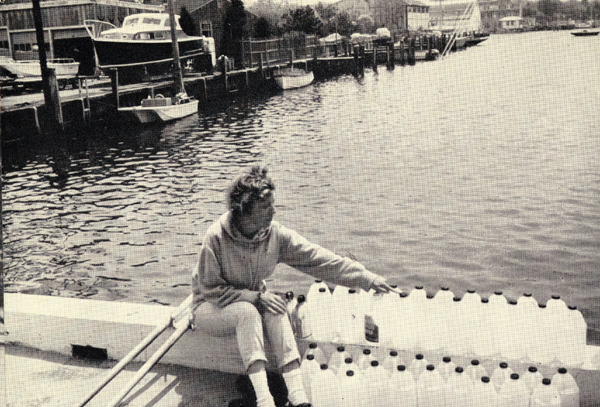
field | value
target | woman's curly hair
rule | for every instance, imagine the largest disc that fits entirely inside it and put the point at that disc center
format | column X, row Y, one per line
column 247, row 188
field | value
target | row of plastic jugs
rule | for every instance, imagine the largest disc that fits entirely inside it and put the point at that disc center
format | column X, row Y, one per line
column 520, row 330
column 367, row 382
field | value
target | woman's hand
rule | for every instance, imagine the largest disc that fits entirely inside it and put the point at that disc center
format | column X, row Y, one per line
column 380, row 285
column 272, row 303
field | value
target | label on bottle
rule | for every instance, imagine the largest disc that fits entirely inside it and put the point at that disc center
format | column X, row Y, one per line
column 371, row 329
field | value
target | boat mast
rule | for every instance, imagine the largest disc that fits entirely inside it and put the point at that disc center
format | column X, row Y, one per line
column 177, row 76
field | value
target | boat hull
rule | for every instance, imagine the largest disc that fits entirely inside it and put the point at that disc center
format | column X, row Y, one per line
column 585, row 33
column 161, row 114
column 294, row 81
column 32, row 68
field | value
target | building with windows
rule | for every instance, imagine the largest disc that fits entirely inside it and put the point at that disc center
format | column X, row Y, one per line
column 492, row 11
column 417, row 16
column 395, row 15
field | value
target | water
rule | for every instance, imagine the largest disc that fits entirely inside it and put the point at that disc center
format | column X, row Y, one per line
column 477, row 171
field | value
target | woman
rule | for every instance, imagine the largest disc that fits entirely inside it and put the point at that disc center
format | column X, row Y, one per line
column 239, row 251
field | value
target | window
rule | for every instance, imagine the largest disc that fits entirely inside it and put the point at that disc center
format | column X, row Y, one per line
column 206, row 29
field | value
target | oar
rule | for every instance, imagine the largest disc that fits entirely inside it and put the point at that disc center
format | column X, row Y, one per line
column 183, row 307
column 181, row 327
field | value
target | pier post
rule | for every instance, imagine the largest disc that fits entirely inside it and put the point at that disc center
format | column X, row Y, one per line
column 114, row 84
column 261, row 68
column 374, row 58
column 224, row 72
column 361, row 59
column 291, row 58
column 356, row 63
column 412, row 51
column 391, row 56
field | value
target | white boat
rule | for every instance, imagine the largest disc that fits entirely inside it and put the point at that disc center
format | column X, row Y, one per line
column 293, row 78
column 161, row 109
column 32, row 68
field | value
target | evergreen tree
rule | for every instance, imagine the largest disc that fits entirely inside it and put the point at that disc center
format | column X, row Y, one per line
column 303, row 19
column 263, row 28
column 187, row 22
column 234, row 27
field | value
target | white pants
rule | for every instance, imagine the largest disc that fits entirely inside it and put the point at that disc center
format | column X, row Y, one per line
column 250, row 326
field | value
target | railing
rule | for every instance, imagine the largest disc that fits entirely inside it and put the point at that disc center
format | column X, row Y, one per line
column 278, row 50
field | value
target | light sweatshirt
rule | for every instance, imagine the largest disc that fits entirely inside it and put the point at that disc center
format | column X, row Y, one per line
column 232, row 267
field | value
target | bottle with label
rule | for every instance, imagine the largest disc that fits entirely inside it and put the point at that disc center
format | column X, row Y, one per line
column 325, row 390
column 567, row 387
column 545, row 395
column 431, row 388
column 514, row 393
column 475, row 371
column 484, row 393
column 500, row 375
column 459, row 389
column 374, row 317
column 532, row 378
column 403, row 387
column 446, row 367
column 309, row 368
column 418, row 365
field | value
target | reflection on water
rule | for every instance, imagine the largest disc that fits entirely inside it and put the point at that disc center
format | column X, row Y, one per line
column 479, row 171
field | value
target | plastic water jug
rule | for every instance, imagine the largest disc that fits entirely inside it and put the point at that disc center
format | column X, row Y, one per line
column 376, row 384
column 532, row 378
column 417, row 302
column 500, row 327
column 484, row 393
column 315, row 350
column 321, row 320
column 405, row 324
column 309, row 368
column 545, row 395
column 527, row 311
column 438, row 312
column 500, row 375
column 352, row 390
column 458, row 342
column 459, row 389
column 374, row 317
column 558, row 314
column 475, row 371
column 391, row 362
column 567, row 387
column 348, row 365
column 471, row 304
column 484, row 342
column 431, row 388
column 512, row 347
column 543, row 351
column 324, row 387
column 348, row 315
column 446, row 367
column 575, row 332
column 314, row 288
column 514, row 393
column 418, row 365
column 403, row 387
column 365, row 359
column 301, row 319
column 291, row 303
column 337, row 358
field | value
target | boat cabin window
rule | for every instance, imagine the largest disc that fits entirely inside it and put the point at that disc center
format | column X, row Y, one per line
column 148, row 20
column 144, row 36
column 131, row 21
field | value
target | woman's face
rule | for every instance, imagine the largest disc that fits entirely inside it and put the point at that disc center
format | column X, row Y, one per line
column 263, row 211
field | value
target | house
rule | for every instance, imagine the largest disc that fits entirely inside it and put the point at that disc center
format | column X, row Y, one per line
column 492, row 11
column 395, row 15
column 513, row 23
column 448, row 17
column 209, row 16
column 417, row 15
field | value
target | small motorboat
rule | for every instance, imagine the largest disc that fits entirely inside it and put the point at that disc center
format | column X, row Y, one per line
column 162, row 109
column 293, row 78
column 31, row 68
column 584, row 33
